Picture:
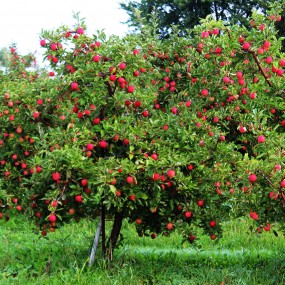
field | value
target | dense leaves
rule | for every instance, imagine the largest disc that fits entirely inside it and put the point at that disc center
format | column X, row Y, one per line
column 169, row 134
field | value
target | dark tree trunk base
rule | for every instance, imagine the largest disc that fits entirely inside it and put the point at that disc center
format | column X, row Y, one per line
column 115, row 233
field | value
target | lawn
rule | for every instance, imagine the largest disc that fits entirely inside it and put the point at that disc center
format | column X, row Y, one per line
column 239, row 257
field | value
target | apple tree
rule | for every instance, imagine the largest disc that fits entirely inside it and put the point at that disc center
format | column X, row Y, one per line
column 176, row 134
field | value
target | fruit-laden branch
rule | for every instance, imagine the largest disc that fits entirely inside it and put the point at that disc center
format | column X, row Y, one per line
column 281, row 193
column 266, row 178
column 110, row 90
column 260, row 68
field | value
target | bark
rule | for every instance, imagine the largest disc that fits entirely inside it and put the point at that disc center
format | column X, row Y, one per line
column 103, row 219
column 115, row 233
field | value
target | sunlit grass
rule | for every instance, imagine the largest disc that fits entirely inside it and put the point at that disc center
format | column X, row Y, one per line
column 62, row 257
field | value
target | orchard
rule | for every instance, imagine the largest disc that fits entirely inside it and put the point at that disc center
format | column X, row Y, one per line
column 168, row 134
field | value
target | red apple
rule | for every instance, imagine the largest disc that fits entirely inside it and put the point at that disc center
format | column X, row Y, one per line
column 170, row 226
column 130, row 180
column 252, row 178
column 56, row 176
column 84, row 182
column 52, row 218
column 188, row 214
column 200, row 203
column 89, row 146
column 253, row 215
column 79, row 198
column 261, row 139
column 132, row 197
column 171, row 173
column 103, row 144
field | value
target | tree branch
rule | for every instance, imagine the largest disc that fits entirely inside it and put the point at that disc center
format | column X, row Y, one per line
column 260, row 68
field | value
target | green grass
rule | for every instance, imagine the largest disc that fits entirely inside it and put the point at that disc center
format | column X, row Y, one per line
column 62, row 257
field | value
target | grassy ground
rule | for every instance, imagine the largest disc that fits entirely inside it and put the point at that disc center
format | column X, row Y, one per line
column 62, row 258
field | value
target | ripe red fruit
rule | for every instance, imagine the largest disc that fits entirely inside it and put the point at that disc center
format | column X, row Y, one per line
column 96, row 121
column 40, row 101
column 52, row 218
column 138, row 221
column 53, row 46
column 43, row 43
column 122, row 65
column 171, row 173
column 36, row 115
column 200, row 203
column 44, row 233
column 128, row 103
column 113, row 77
column 212, row 224
column 261, row 139
column 131, row 89
column 205, row 92
column 96, row 58
column 132, row 197
column 242, row 129
column 145, row 113
column 56, row 176
column 246, row 46
column 267, row 227
column 188, row 214
column 213, row 237
column 191, row 238
column 89, row 146
column 103, row 144
column 74, row 86
column 170, row 226
column 252, row 178
column 118, row 193
column 79, row 198
column 282, row 183
column 269, row 59
column 253, row 215
column 19, row 208
column 38, row 169
column 80, row 31
column 155, row 176
column 188, row 103
column 153, row 235
column 15, row 200
column 154, row 156
column 84, row 182
column 130, row 180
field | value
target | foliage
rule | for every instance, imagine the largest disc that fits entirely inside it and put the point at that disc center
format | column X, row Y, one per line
column 185, row 14
column 168, row 134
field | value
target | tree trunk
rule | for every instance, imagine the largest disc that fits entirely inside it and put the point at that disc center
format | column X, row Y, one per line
column 115, row 233
column 103, row 219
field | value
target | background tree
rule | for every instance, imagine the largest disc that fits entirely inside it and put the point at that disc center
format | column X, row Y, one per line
column 187, row 13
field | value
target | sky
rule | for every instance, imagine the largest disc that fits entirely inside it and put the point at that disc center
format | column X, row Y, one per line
column 21, row 21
